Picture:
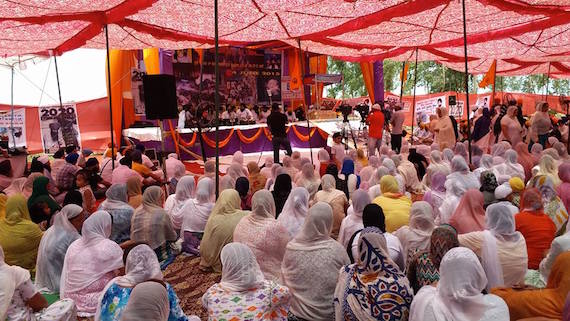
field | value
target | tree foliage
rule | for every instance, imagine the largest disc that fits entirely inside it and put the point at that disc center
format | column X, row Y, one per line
column 434, row 78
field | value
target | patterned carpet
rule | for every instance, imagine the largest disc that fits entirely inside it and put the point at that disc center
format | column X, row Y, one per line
column 190, row 283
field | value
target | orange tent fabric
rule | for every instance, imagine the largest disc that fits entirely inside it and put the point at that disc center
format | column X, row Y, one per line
column 368, row 74
column 121, row 63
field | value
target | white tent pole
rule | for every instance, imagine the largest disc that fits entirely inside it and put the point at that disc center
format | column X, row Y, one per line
column 12, row 106
column 466, row 80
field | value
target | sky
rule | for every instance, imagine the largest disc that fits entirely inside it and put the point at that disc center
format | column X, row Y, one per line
column 81, row 76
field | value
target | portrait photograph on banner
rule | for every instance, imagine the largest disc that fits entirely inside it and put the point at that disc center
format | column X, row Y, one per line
column 59, row 127
column 18, row 135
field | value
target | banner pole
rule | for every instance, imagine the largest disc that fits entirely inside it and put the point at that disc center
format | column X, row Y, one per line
column 303, row 91
column 547, row 83
column 217, row 96
column 466, row 79
column 12, row 105
column 414, row 98
column 402, row 81
column 110, row 97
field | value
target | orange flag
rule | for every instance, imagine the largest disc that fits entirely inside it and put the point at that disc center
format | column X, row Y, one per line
column 404, row 73
column 489, row 78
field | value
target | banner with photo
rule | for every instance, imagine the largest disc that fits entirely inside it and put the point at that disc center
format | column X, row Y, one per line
column 19, row 125
column 137, row 90
column 394, row 100
column 286, row 92
column 59, row 127
column 246, row 76
column 483, row 101
column 457, row 110
column 427, row 107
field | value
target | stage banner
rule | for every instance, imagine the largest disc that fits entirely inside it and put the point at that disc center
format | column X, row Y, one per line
column 394, row 100
column 246, row 76
column 428, row 106
column 19, row 124
column 137, row 90
column 457, row 110
column 483, row 101
column 286, row 92
column 59, row 127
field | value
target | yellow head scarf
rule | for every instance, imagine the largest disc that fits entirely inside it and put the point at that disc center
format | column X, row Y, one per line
column 17, row 209
column 389, row 184
column 517, row 184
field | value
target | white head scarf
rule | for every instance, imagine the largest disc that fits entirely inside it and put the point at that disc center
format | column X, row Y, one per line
column 353, row 220
column 240, row 271
column 11, row 277
column 316, row 230
column 117, row 198
column 238, row 158
column 509, row 168
column 141, row 265
column 500, row 223
column 80, row 270
column 329, row 192
column 53, row 247
column 295, row 210
column 196, row 212
column 148, row 301
column 458, row 292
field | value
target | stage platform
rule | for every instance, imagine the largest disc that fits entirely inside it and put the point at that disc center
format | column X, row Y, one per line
column 245, row 138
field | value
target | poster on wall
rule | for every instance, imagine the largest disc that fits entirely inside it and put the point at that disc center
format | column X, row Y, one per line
column 19, row 124
column 59, row 127
column 137, row 90
column 286, row 92
column 483, row 101
column 427, row 107
column 246, row 76
column 457, row 110
column 394, row 100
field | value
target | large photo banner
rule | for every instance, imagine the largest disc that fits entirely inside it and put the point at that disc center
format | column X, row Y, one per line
column 246, row 76
column 137, row 90
column 18, row 135
column 427, row 107
column 59, row 127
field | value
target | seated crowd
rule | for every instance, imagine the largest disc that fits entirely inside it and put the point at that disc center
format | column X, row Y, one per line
column 417, row 235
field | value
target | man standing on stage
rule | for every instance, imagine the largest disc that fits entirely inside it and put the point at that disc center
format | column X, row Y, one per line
column 376, row 126
column 397, row 122
column 276, row 123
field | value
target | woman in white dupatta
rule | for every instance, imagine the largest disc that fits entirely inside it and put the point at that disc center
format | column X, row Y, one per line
column 309, row 179
column 295, row 210
column 174, row 203
column 264, row 235
column 117, row 205
column 336, row 199
column 456, row 183
column 149, row 300
column 90, row 263
column 19, row 299
column 196, row 213
column 436, row 165
column 353, row 221
column 502, row 249
column 509, row 168
column 141, row 265
column 311, row 266
column 457, row 295
column 486, row 164
column 54, row 244
column 416, row 236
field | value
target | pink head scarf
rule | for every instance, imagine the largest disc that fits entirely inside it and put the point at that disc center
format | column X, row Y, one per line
column 469, row 215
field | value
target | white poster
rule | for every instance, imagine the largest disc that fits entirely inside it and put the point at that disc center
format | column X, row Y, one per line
column 59, row 127
column 137, row 90
column 19, row 124
column 427, row 107
column 457, row 110
column 393, row 100
column 483, row 101
column 286, row 92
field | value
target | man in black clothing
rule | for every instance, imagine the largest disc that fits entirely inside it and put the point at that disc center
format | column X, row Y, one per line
column 276, row 122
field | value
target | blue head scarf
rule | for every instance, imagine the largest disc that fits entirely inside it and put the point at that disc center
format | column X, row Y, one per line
column 348, row 168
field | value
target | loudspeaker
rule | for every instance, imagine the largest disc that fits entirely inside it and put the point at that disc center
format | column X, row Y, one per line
column 160, row 100
column 452, row 101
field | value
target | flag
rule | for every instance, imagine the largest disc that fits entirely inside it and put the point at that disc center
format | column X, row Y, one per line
column 404, row 73
column 489, row 78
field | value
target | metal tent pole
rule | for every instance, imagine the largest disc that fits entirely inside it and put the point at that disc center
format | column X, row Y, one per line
column 414, row 98
column 110, row 97
column 217, row 96
column 12, row 106
column 57, row 80
column 303, row 91
column 547, row 83
column 401, row 81
column 466, row 79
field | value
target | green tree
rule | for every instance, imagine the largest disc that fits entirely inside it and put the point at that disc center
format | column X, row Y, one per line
column 353, row 80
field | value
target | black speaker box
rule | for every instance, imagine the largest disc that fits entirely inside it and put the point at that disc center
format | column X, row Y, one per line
column 452, row 101
column 160, row 97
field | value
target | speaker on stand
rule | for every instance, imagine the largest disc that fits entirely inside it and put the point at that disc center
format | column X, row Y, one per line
column 160, row 103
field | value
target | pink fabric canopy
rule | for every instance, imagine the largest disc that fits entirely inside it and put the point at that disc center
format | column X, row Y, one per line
column 524, row 35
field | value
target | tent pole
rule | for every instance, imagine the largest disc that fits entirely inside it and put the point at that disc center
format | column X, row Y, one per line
column 547, row 83
column 466, row 79
column 12, row 106
column 492, row 102
column 217, row 96
column 110, row 97
column 303, row 91
column 414, row 98
column 57, row 80
column 402, row 81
